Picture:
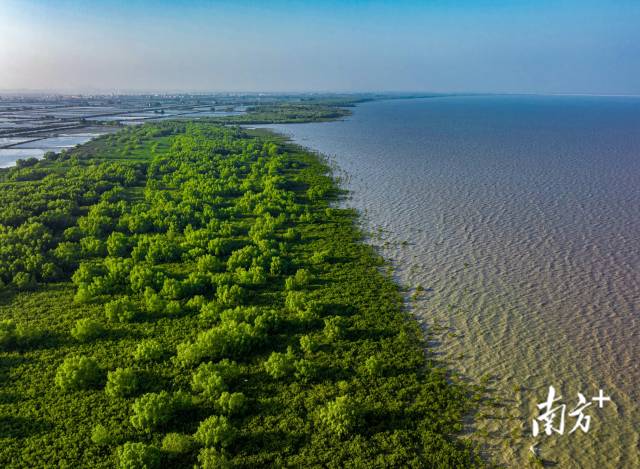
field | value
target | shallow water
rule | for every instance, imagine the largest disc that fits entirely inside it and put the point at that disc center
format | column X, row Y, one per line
column 9, row 156
column 520, row 216
column 59, row 142
column 37, row 148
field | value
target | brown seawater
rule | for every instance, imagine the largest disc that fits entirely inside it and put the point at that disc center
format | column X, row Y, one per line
column 520, row 217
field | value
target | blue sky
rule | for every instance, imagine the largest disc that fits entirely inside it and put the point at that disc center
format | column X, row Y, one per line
column 561, row 46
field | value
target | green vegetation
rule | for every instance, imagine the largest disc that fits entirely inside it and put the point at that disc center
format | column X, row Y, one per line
column 185, row 294
column 290, row 113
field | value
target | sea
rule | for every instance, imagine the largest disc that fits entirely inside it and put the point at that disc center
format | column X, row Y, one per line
column 513, row 223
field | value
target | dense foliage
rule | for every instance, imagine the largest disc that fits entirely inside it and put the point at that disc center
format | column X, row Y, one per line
column 184, row 294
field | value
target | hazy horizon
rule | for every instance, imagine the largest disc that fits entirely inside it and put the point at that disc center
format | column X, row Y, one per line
column 486, row 46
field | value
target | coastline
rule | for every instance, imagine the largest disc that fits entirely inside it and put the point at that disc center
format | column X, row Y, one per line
column 368, row 348
column 508, row 339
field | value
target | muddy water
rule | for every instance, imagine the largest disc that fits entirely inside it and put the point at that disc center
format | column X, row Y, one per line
column 520, row 218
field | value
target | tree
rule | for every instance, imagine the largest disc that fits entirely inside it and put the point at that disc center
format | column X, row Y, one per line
column 277, row 266
column 93, row 247
column 232, row 403
column 212, row 458
column 334, row 328
column 67, row 254
column 24, row 281
column 117, row 244
column 177, row 443
column 230, row 295
column 230, row 339
column 87, row 329
column 148, row 350
column 101, row 436
column 172, row 289
column 77, row 373
column 122, row 382
column 306, row 370
column 295, row 301
column 308, row 344
column 374, row 366
column 301, row 279
column 152, row 411
column 208, row 381
column 279, row 365
column 121, row 310
column 144, row 276
column 216, row 431
column 153, row 302
column 138, row 456
column 208, row 264
column 339, row 416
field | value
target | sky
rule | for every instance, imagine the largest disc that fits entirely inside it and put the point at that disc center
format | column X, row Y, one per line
column 517, row 46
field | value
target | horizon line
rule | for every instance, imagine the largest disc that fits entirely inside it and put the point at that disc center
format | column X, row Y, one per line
column 141, row 92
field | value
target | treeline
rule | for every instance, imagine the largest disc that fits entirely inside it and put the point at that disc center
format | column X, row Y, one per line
column 286, row 112
column 184, row 294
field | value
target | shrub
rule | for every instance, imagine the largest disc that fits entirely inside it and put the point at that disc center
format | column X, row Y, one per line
column 122, row 310
column 8, row 335
column 152, row 410
column 87, row 329
column 177, row 443
column 208, row 381
column 339, row 416
column 101, row 436
column 138, row 456
column 148, row 350
column 78, row 372
column 212, row 458
column 215, row 431
column 122, row 382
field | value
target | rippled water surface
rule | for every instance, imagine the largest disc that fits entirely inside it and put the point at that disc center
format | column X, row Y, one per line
column 520, row 216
